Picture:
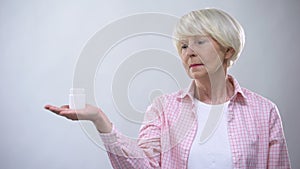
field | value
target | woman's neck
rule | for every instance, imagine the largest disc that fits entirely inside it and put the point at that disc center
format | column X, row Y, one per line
column 214, row 89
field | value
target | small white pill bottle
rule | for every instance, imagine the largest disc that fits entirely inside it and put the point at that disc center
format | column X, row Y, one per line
column 77, row 98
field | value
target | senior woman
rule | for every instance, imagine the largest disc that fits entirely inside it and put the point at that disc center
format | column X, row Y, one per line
column 214, row 123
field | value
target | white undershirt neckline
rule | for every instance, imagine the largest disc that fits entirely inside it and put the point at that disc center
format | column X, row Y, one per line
column 210, row 148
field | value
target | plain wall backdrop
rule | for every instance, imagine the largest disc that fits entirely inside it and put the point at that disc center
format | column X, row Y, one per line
column 40, row 42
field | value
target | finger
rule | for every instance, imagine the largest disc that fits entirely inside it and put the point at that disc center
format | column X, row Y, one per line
column 47, row 106
column 70, row 111
column 70, row 114
column 65, row 106
column 59, row 109
column 51, row 108
column 55, row 109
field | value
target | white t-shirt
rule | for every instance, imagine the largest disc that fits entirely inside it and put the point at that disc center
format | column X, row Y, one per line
column 210, row 148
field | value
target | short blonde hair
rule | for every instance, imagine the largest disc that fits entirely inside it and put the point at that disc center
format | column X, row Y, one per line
column 215, row 23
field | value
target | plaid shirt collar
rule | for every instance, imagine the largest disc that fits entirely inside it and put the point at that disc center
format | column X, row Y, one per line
column 189, row 92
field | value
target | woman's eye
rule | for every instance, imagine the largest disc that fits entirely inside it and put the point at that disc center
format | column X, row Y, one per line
column 201, row 42
column 184, row 46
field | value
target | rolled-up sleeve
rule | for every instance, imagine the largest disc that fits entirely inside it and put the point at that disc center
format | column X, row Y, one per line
column 278, row 152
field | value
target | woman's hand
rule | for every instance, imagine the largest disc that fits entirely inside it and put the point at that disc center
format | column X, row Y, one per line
column 90, row 112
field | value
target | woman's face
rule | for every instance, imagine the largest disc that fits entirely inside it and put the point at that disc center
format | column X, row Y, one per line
column 202, row 55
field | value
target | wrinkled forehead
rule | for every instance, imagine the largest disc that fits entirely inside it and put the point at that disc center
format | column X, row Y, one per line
column 190, row 34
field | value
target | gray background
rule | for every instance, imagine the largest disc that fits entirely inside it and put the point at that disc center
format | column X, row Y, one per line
column 40, row 42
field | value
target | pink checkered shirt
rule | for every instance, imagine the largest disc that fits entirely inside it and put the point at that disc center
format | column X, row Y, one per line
column 254, row 127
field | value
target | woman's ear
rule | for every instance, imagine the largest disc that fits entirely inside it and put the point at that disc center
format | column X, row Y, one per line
column 229, row 53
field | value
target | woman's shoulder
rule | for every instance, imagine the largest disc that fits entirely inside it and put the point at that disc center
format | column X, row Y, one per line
column 171, row 97
column 255, row 98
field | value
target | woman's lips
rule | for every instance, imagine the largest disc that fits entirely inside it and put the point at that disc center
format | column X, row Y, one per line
column 195, row 65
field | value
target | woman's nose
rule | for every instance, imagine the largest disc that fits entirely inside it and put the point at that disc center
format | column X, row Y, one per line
column 190, row 52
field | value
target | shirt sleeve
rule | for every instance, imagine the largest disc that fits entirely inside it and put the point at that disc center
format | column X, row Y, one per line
column 278, row 157
column 143, row 152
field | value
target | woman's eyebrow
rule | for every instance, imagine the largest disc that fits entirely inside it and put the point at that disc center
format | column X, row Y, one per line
column 183, row 41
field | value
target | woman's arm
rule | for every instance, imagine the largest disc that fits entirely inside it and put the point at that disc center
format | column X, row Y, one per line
column 278, row 152
column 123, row 152
column 143, row 152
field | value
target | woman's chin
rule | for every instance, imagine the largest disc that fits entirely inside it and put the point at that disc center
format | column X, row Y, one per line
column 198, row 75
